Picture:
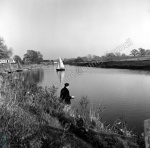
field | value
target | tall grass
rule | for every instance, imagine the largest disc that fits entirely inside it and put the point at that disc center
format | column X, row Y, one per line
column 92, row 117
column 34, row 117
column 25, row 111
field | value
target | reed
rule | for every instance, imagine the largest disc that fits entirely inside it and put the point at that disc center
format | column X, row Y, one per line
column 33, row 116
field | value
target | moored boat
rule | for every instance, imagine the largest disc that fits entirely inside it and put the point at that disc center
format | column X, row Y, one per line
column 10, row 70
column 60, row 65
column 19, row 67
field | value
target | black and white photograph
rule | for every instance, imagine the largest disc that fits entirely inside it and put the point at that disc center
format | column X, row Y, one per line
column 74, row 73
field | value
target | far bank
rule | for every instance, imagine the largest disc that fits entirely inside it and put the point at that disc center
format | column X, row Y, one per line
column 134, row 65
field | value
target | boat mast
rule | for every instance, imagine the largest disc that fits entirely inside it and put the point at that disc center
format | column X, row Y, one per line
column 61, row 63
column 19, row 65
column 58, row 65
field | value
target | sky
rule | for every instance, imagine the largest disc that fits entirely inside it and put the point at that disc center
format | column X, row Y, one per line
column 71, row 28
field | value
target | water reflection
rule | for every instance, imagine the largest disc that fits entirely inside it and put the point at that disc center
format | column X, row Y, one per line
column 35, row 76
column 23, row 79
column 18, row 84
column 126, row 71
column 144, row 72
column 61, row 75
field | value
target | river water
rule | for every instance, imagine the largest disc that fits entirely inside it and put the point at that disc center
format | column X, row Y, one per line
column 122, row 92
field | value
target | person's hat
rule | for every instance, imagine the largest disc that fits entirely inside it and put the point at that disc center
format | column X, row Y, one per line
column 66, row 84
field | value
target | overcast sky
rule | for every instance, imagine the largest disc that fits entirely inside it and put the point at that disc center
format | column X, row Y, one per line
column 71, row 28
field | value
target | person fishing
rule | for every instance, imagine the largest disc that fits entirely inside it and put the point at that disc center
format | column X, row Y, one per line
column 65, row 95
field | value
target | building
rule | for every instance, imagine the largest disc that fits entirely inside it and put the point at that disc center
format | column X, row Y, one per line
column 7, row 60
column 46, row 62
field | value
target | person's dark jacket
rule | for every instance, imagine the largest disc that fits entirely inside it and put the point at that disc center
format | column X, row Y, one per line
column 65, row 96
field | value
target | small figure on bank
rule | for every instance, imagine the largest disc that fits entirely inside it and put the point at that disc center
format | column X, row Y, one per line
column 65, row 95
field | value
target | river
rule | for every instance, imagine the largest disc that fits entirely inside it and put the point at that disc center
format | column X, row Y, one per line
column 122, row 92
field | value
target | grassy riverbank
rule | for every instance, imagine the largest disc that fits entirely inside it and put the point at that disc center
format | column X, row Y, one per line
column 34, row 117
column 135, row 65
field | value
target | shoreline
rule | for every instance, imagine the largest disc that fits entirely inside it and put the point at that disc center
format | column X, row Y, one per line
column 132, row 65
column 53, row 122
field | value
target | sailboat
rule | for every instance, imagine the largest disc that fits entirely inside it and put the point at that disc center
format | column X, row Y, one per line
column 19, row 67
column 9, row 68
column 60, row 66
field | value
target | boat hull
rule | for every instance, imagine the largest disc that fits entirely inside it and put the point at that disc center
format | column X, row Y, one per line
column 9, row 72
column 19, row 70
column 60, row 69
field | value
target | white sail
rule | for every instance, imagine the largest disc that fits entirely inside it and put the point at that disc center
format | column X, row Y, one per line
column 60, row 64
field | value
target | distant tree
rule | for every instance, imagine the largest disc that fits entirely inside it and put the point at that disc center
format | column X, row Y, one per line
column 40, row 57
column 96, row 58
column 4, row 51
column 17, row 58
column 110, row 56
column 142, row 52
column 78, row 59
column 69, row 61
column 33, row 57
column 118, row 54
column 134, row 52
column 123, row 55
column 89, row 56
column 103, row 58
column 147, row 52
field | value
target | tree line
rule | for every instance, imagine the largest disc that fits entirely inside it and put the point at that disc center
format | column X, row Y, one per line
column 121, row 56
column 110, row 56
column 140, row 52
column 30, row 57
column 5, row 52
